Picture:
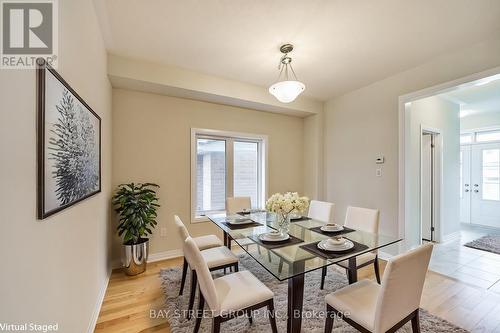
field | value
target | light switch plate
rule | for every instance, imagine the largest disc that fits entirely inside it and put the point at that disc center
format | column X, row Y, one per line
column 378, row 172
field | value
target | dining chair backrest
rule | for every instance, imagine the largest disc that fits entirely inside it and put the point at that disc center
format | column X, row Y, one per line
column 321, row 210
column 237, row 204
column 401, row 287
column 205, row 280
column 363, row 219
column 181, row 228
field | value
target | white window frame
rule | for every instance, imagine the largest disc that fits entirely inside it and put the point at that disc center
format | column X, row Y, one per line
column 473, row 132
column 229, row 137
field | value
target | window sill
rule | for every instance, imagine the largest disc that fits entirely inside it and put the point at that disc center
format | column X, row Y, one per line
column 200, row 219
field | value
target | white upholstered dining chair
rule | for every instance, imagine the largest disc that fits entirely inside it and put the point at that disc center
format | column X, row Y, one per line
column 228, row 296
column 238, row 204
column 387, row 306
column 218, row 257
column 321, row 211
column 235, row 205
column 363, row 219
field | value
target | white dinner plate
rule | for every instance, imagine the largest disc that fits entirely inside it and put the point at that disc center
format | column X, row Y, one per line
column 337, row 229
column 266, row 238
column 239, row 220
column 323, row 245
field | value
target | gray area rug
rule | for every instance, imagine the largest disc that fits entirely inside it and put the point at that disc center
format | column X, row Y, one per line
column 314, row 304
column 490, row 243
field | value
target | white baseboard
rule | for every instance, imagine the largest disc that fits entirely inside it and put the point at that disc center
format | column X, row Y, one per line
column 165, row 255
column 98, row 304
column 451, row 237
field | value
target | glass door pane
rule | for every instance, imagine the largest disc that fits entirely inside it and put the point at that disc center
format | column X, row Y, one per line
column 210, row 175
column 491, row 174
column 246, row 171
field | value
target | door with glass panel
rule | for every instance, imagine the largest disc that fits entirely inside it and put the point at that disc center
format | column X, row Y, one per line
column 485, row 184
column 465, row 185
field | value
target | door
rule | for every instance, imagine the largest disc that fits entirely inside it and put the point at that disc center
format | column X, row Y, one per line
column 485, row 176
column 427, row 186
column 465, row 188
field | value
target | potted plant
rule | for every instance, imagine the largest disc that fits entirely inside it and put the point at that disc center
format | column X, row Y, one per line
column 136, row 206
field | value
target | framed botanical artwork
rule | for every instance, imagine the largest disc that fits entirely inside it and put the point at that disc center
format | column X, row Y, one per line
column 69, row 144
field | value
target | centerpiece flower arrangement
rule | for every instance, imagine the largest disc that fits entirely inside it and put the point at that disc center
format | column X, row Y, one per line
column 284, row 205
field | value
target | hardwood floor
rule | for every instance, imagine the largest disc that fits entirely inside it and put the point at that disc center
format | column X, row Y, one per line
column 128, row 301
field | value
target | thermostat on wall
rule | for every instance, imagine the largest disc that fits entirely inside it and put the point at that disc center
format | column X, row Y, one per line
column 380, row 160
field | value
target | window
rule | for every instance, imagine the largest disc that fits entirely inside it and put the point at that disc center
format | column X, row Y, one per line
column 480, row 136
column 223, row 165
column 491, row 174
column 488, row 136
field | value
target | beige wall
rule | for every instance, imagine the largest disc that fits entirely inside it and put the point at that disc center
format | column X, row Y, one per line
column 53, row 270
column 436, row 113
column 313, row 156
column 364, row 123
column 151, row 142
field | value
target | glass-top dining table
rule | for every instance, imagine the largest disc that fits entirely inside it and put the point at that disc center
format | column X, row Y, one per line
column 290, row 260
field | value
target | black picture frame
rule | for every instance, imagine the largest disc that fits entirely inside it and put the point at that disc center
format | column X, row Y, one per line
column 43, row 70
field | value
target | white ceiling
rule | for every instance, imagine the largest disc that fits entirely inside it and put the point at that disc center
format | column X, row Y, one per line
column 477, row 97
column 340, row 45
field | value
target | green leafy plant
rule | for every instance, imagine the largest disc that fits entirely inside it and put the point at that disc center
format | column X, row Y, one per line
column 136, row 206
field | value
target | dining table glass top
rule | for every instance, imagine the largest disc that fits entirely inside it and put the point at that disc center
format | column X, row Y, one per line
column 290, row 260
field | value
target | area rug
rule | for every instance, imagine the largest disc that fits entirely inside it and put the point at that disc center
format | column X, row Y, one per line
column 314, row 304
column 490, row 243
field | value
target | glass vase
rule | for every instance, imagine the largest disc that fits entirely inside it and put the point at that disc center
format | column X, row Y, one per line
column 283, row 223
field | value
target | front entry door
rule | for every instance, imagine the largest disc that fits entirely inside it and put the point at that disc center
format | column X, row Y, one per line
column 485, row 185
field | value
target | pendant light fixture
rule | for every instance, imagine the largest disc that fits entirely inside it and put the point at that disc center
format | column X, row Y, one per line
column 288, row 87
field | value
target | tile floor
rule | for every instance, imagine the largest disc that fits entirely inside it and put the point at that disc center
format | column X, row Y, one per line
column 476, row 267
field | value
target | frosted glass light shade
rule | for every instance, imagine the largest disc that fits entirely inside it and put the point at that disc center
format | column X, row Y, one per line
column 287, row 91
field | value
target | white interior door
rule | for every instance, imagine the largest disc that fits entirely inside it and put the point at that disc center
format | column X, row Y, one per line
column 465, row 184
column 485, row 176
column 426, row 187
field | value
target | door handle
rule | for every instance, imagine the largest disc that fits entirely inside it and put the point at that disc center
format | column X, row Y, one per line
column 466, row 185
column 475, row 191
column 466, row 190
column 476, row 185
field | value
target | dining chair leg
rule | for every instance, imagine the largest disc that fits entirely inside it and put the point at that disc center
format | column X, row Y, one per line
column 194, row 282
column 330, row 316
column 236, row 267
column 415, row 323
column 199, row 313
column 184, row 273
column 272, row 318
column 377, row 270
column 280, row 266
column 323, row 276
column 249, row 315
column 216, row 325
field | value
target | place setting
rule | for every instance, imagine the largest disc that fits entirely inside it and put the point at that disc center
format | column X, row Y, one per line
column 234, row 222
column 332, row 229
column 275, row 239
column 297, row 217
column 247, row 211
column 334, row 247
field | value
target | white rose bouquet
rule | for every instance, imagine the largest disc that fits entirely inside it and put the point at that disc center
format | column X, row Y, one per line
column 285, row 204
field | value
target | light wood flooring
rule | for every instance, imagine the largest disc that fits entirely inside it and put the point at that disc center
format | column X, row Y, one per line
column 128, row 301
